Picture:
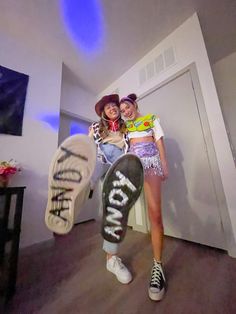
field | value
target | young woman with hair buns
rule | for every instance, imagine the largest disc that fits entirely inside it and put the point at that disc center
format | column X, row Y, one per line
column 146, row 141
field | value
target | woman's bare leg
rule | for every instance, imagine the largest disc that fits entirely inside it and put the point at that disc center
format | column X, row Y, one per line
column 152, row 189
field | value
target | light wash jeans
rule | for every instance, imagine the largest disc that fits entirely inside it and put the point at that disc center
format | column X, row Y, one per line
column 112, row 152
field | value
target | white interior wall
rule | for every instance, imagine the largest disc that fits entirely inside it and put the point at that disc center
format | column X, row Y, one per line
column 74, row 98
column 189, row 47
column 34, row 149
column 224, row 72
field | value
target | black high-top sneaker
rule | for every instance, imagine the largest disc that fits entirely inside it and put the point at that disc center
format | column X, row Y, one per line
column 121, row 188
column 156, row 289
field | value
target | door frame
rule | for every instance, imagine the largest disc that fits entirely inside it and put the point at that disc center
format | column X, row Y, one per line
column 71, row 116
column 74, row 115
column 209, row 146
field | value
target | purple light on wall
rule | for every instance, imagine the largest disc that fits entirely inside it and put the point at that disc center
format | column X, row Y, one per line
column 52, row 120
column 84, row 23
column 78, row 128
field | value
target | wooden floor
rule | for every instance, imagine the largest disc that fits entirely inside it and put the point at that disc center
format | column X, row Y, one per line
column 69, row 276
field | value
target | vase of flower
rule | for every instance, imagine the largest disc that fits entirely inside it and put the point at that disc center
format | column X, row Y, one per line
column 4, row 180
column 7, row 169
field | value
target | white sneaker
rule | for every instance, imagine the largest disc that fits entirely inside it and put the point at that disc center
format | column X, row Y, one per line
column 68, row 182
column 115, row 266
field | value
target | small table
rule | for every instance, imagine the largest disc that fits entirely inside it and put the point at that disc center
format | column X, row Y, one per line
column 10, row 227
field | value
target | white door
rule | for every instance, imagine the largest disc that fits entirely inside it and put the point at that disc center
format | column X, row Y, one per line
column 190, row 207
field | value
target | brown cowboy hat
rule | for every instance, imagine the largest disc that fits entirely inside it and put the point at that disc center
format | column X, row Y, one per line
column 99, row 107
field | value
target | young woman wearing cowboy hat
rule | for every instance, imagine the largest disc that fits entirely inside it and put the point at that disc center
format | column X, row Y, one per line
column 111, row 140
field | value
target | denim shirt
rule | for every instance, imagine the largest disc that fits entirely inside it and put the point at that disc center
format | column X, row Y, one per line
column 98, row 141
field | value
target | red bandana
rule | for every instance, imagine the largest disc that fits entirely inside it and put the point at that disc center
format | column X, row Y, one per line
column 113, row 125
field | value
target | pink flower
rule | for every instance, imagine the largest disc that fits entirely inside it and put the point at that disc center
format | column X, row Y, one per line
column 8, row 167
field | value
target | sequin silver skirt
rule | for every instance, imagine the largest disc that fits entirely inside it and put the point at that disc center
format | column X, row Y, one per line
column 150, row 157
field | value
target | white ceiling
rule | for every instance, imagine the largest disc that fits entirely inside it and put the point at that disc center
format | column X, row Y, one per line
column 131, row 29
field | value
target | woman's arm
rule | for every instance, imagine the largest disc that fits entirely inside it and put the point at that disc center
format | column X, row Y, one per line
column 161, row 147
column 159, row 139
column 91, row 131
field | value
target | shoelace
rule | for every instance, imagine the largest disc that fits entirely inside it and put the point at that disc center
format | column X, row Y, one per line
column 118, row 262
column 157, row 273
